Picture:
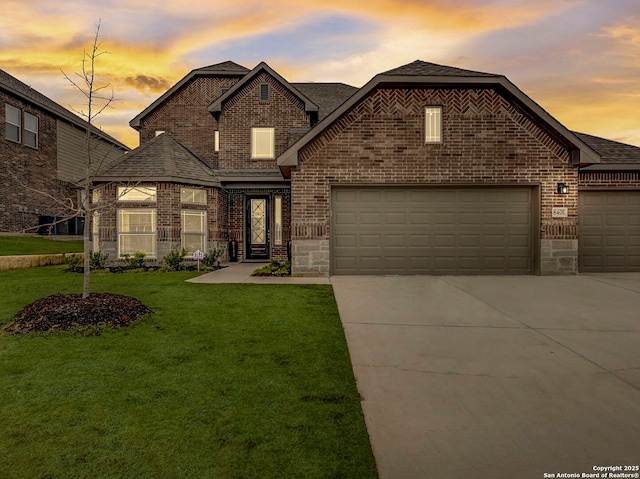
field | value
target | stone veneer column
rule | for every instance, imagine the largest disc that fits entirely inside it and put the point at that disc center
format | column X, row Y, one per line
column 310, row 257
column 559, row 256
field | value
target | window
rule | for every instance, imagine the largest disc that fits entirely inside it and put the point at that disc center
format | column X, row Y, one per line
column 194, row 227
column 12, row 123
column 95, row 231
column 159, row 132
column 264, row 92
column 433, row 124
column 278, row 220
column 136, row 193
column 216, row 141
column 262, row 143
column 137, row 231
column 95, row 195
column 193, row 195
column 30, row 130
column 224, row 90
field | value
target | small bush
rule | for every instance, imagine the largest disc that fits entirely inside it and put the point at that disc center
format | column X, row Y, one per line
column 74, row 262
column 274, row 268
column 136, row 261
column 97, row 259
column 174, row 260
column 211, row 259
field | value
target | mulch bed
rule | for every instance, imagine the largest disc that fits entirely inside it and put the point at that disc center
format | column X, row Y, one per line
column 69, row 312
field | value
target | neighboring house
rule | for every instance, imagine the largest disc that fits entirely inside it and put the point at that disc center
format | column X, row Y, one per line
column 42, row 154
column 426, row 169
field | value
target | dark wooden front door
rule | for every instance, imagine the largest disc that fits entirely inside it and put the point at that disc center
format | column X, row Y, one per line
column 257, row 227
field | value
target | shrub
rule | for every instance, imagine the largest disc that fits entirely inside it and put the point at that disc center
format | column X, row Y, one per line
column 174, row 260
column 274, row 268
column 74, row 262
column 97, row 259
column 211, row 259
column 136, row 261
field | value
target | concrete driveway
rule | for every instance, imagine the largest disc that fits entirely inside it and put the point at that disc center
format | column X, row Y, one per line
column 496, row 377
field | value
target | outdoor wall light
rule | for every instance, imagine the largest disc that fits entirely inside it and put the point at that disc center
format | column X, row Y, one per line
column 563, row 189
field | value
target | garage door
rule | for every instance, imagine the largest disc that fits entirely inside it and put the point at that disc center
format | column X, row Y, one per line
column 609, row 231
column 432, row 230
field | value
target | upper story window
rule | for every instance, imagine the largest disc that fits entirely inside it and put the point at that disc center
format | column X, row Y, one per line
column 12, row 123
column 433, row 124
column 159, row 132
column 30, row 130
column 264, row 93
column 137, row 193
column 262, row 143
column 193, row 195
column 216, row 141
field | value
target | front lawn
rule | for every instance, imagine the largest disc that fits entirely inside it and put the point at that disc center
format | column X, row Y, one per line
column 222, row 381
column 19, row 245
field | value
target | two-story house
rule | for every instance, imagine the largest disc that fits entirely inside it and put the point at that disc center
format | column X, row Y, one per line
column 43, row 153
column 426, row 169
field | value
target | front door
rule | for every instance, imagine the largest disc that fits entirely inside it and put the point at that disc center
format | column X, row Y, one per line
column 257, row 227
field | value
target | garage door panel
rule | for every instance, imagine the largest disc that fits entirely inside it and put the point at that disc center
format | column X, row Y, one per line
column 609, row 236
column 433, row 230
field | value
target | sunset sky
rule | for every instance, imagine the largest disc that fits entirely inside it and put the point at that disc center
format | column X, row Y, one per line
column 578, row 59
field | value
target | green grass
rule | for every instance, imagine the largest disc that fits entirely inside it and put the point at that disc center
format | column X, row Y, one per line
column 222, row 381
column 19, row 245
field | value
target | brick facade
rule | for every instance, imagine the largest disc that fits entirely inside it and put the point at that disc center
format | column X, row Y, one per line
column 486, row 141
column 28, row 175
column 609, row 180
column 244, row 111
column 185, row 116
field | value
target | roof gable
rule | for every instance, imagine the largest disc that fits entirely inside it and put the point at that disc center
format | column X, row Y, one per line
column 216, row 107
column 18, row 89
column 161, row 159
column 424, row 74
column 225, row 69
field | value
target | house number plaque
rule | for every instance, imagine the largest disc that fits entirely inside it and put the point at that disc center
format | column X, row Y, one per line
column 559, row 212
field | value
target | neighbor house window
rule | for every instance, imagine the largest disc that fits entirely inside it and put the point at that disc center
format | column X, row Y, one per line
column 262, row 143
column 193, row 195
column 216, row 141
column 137, row 193
column 95, row 195
column 278, row 220
column 12, row 123
column 194, row 227
column 137, row 231
column 433, row 124
column 30, row 130
column 264, row 92
column 159, row 132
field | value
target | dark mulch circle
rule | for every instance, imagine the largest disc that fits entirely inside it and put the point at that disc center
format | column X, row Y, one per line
column 69, row 312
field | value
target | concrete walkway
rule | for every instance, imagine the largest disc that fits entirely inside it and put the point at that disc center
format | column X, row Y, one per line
column 241, row 273
column 496, row 377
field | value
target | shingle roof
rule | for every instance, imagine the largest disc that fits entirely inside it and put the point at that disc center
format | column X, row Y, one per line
column 227, row 68
column 21, row 90
column 224, row 67
column 421, row 68
column 161, row 159
column 611, row 152
column 328, row 96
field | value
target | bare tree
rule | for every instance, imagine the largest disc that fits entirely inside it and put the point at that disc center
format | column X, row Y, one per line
column 97, row 99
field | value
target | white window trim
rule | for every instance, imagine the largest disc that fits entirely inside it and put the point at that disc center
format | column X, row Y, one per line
column 203, row 233
column 192, row 192
column 153, row 233
column 433, row 130
column 18, row 125
column 255, row 131
column 35, row 133
column 124, row 190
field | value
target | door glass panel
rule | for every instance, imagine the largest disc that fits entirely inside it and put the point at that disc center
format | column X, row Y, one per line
column 258, row 221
